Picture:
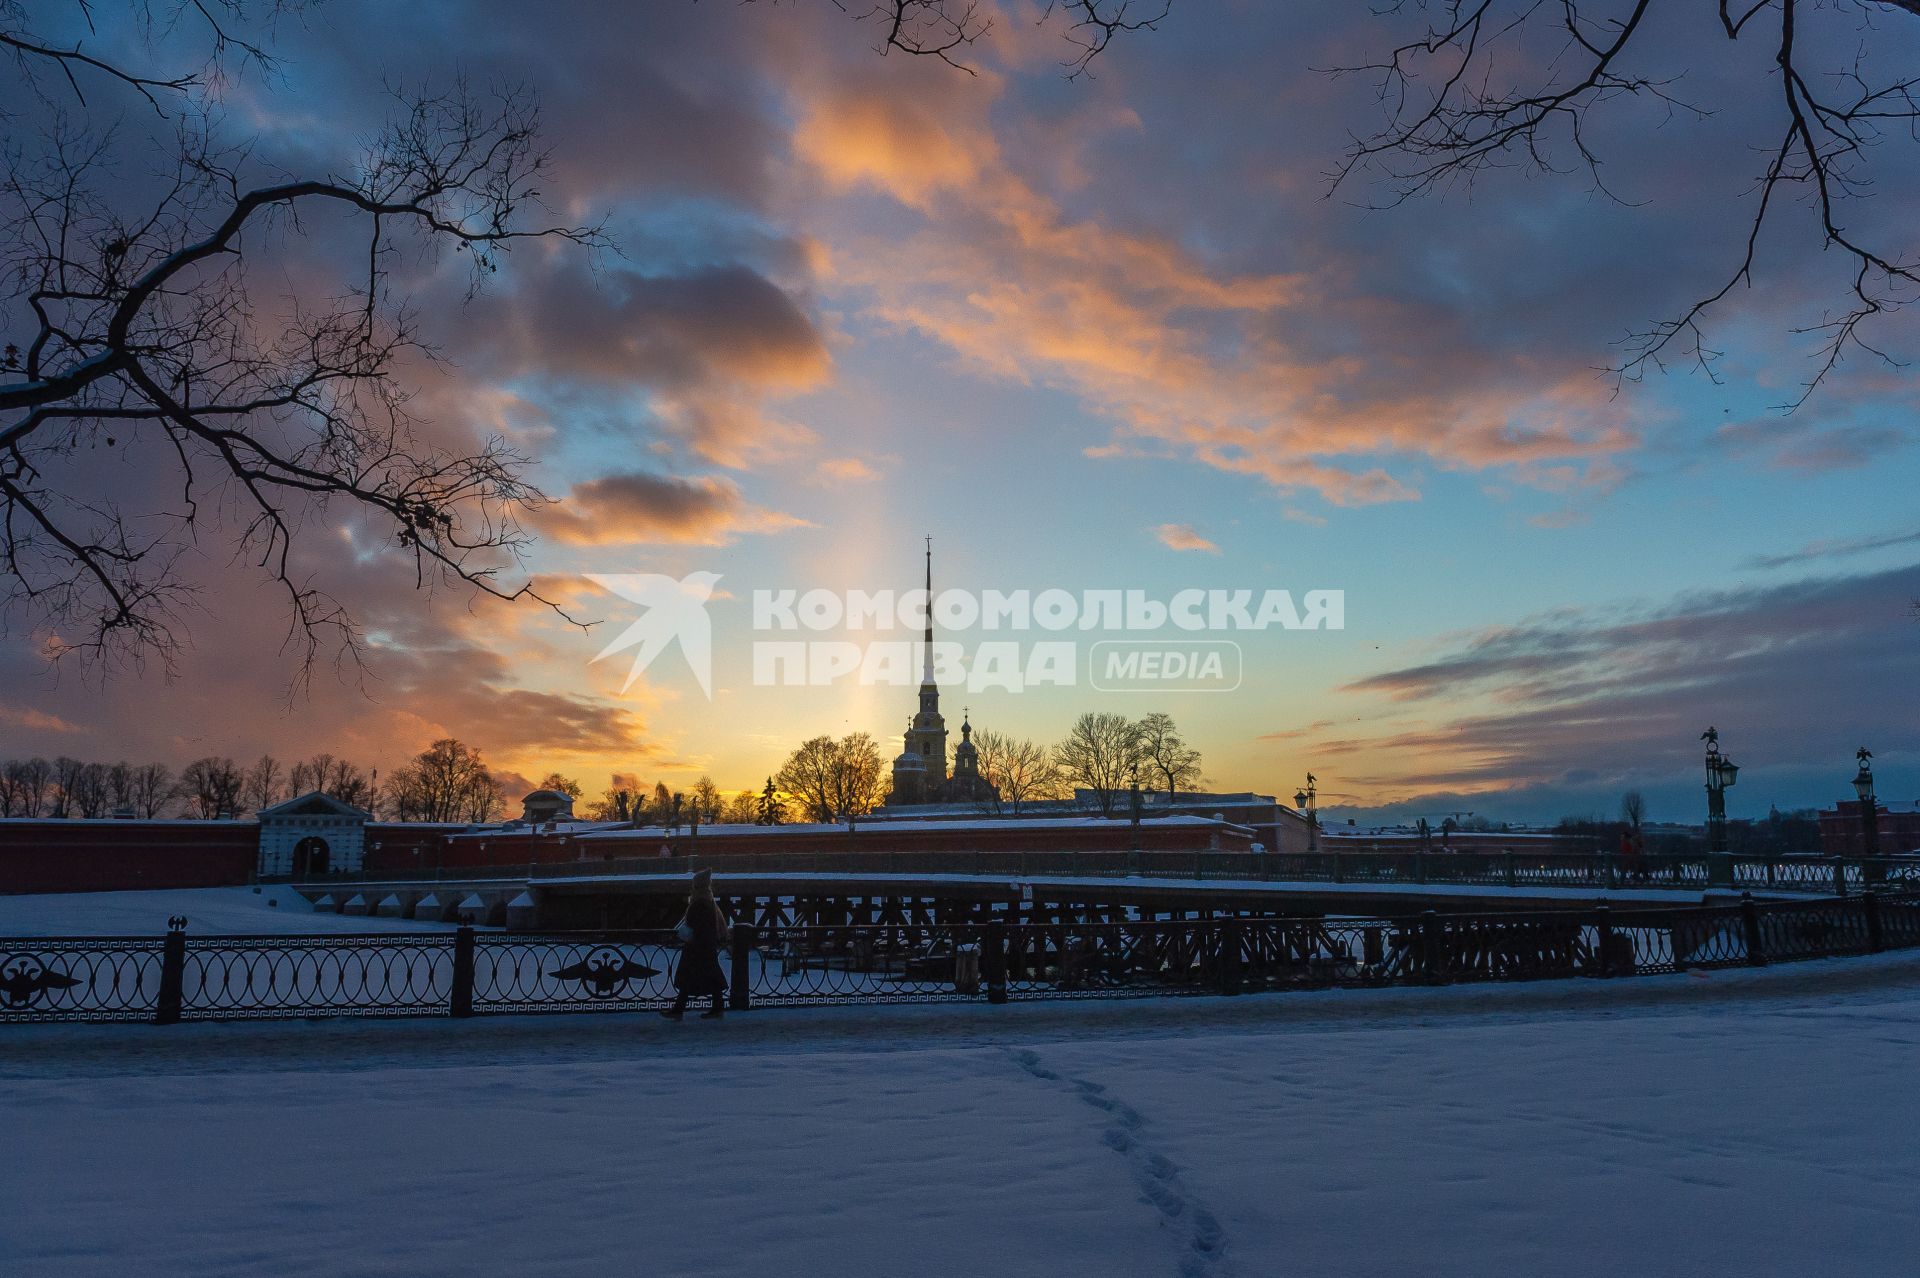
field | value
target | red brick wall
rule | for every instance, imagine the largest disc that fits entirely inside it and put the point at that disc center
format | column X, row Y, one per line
column 1841, row 833
column 512, row 850
column 107, row 856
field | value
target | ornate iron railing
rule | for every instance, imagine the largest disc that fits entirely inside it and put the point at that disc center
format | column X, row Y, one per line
column 466, row 973
column 216, row 978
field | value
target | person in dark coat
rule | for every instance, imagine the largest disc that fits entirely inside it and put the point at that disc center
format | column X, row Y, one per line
column 701, row 932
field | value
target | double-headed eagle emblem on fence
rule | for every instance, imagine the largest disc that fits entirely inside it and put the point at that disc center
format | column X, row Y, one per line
column 24, row 978
column 604, row 972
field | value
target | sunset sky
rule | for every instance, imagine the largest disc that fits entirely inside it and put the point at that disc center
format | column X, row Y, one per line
column 1106, row 332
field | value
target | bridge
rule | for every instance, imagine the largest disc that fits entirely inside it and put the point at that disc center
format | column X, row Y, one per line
column 847, row 888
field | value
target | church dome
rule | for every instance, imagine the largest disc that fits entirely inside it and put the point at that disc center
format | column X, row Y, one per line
column 966, row 749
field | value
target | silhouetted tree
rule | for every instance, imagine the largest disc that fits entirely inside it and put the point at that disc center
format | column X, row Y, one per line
column 448, row 781
column 706, row 800
column 560, row 784
column 211, row 786
column 1101, row 753
column 30, row 781
column 1174, row 763
column 832, row 780
column 1022, row 771
column 181, row 321
column 262, row 787
column 741, row 809
column 336, row 778
column 618, row 804
column 153, row 789
column 90, row 792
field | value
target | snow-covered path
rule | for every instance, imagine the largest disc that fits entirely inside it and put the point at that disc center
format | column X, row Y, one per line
column 1750, row 1123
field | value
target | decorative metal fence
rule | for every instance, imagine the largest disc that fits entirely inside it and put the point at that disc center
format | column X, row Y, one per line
column 466, row 973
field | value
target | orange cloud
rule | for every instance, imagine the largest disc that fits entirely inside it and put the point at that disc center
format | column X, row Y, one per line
column 1183, row 537
column 896, row 144
column 37, row 719
column 846, row 470
column 1247, row 373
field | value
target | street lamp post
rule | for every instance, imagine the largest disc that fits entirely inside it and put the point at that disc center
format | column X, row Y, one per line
column 1869, row 806
column 1304, row 800
column 1133, row 815
column 1721, row 773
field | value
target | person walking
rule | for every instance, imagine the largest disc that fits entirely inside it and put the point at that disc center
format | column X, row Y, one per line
column 702, row 931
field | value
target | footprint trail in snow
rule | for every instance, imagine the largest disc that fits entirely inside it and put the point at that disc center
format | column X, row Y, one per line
column 1157, row 1175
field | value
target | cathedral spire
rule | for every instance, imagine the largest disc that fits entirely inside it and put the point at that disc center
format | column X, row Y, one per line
column 926, row 676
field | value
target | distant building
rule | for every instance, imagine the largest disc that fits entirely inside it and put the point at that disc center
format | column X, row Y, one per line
column 546, row 805
column 1897, row 823
column 312, row 835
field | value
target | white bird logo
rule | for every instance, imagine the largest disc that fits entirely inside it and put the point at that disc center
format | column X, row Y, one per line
column 673, row 610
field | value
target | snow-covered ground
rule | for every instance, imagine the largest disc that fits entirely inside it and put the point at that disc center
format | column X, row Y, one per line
column 233, row 911
column 1746, row 1122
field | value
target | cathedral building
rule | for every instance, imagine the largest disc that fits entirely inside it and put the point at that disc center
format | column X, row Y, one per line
column 920, row 772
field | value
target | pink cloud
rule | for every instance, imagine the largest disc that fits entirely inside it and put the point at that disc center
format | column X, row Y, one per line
column 1183, row 537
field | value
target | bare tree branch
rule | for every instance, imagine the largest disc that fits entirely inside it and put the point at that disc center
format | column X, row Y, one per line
column 146, row 336
column 1466, row 96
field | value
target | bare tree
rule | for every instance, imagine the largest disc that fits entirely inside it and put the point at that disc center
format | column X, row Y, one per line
column 211, row 787
column 152, row 790
column 1021, row 770
column 448, row 781
column 262, row 786
column 1101, row 753
column 618, row 804
column 742, row 808
column 175, row 331
column 336, row 778
column 1173, row 761
column 90, row 793
column 28, row 781
column 1633, row 809
column 65, row 777
column 707, row 800
column 120, row 786
column 309, row 775
column 832, row 780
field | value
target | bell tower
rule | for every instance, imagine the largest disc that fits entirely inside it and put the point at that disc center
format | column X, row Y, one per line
column 927, row 737
column 922, row 766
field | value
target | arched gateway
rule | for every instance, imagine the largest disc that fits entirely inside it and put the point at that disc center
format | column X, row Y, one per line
column 311, row 835
column 310, row 857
